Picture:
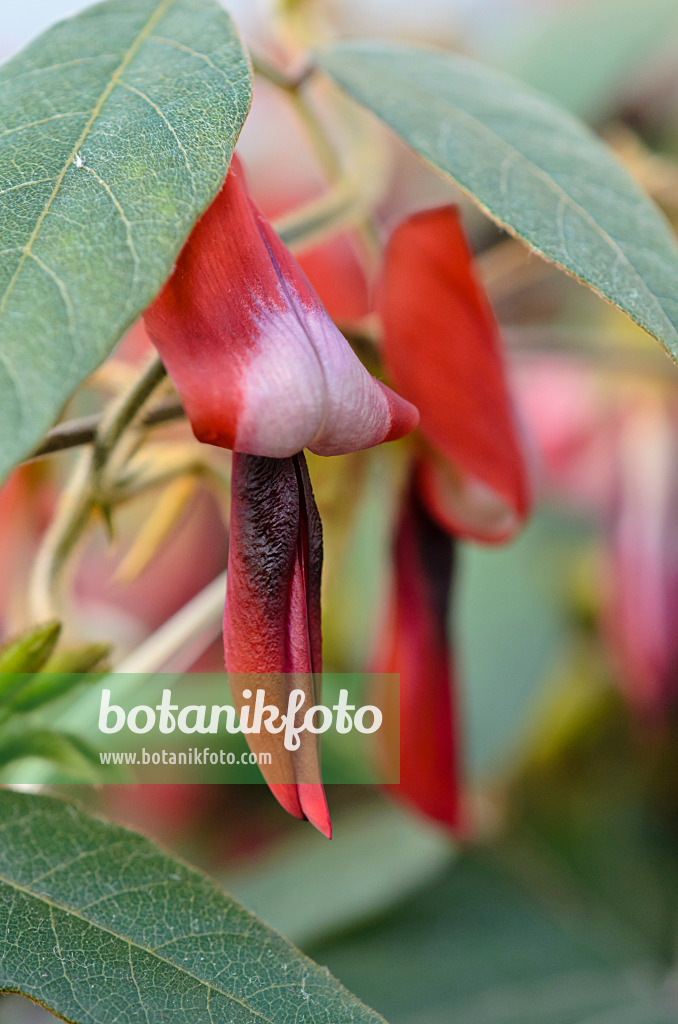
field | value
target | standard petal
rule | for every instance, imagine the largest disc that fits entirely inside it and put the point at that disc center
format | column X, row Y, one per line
column 259, row 364
column 443, row 351
column 272, row 616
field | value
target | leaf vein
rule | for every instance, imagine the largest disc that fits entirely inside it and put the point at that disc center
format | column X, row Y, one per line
column 143, row 96
column 62, row 289
column 193, row 53
column 129, row 236
column 42, row 120
column 143, row 35
column 12, row 188
column 95, row 852
column 53, row 905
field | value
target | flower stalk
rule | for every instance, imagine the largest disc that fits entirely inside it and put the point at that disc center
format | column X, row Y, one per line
column 86, row 491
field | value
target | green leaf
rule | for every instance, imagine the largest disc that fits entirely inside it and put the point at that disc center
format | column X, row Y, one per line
column 116, row 131
column 29, row 651
column 500, row 589
column 530, row 165
column 101, row 926
column 599, row 810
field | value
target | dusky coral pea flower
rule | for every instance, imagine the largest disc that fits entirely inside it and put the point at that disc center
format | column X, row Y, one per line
column 272, row 614
column 262, row 369
column 442, row 348
column 260, row 366
column 415, row 643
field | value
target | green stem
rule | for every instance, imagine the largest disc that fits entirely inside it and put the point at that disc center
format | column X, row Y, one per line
column 83, row 493
column 78, row 432
column 290, row 83
column 198, row 622
column 324, row 150
column 191, row 466
column 332, row 166
column 70, row 522
column 121, row 413
column 337, row 207
column 321, row 218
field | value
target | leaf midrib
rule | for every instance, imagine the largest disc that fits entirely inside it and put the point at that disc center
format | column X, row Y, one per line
column 557, row 191
column 157, row 15
column 54, row 905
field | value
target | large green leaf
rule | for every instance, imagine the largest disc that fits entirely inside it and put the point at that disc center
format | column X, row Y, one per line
column 100, row 926
column 530, row 165
column 116, row 130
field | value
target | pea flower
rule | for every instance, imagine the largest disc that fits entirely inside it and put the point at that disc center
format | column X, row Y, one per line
column 442, row 347
column 643, row 528
column 262, row 369
column 610, row 451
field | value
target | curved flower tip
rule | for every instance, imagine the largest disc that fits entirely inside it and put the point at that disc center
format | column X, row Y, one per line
column 415, row 643
column 443, row 351
column 272, row 635
column 259, row 364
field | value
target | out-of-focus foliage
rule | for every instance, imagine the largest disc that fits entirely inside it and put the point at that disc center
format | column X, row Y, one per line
column 611, row 41
column 570, row 917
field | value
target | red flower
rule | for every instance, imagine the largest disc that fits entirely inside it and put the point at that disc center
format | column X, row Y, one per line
column 272, row 615
column 259, row 364
column 442, row 348
column 262, row 369
column 415, row 643
column 443, row 352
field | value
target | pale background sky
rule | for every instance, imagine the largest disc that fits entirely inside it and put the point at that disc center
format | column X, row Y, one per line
column 21, row 21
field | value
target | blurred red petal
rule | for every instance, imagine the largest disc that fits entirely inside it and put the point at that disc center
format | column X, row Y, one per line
column 335, row 272
column 415, row 643
column 443, row 351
